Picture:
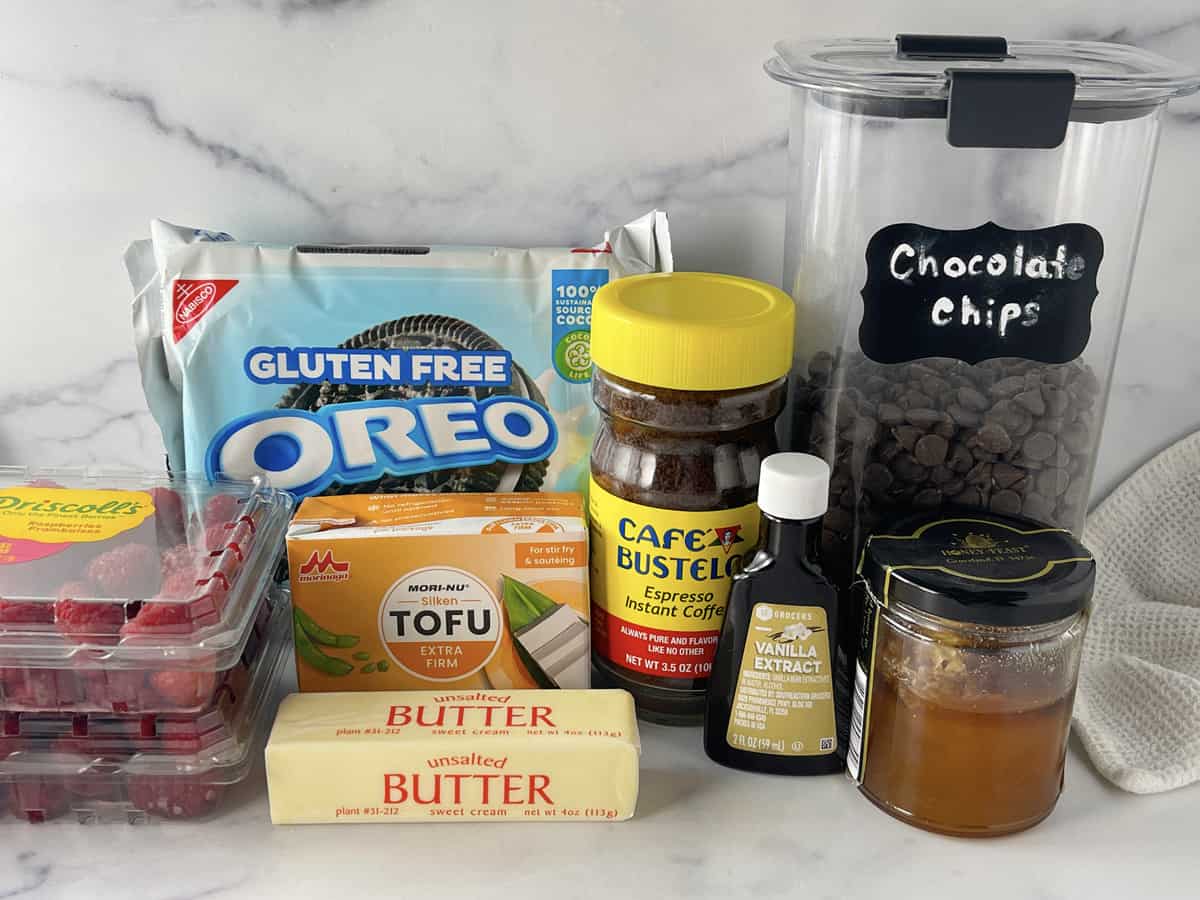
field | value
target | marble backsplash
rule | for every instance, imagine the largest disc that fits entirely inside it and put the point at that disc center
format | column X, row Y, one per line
column 541, row 122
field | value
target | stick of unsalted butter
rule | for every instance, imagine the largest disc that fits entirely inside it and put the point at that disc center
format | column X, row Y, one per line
column 428, row 756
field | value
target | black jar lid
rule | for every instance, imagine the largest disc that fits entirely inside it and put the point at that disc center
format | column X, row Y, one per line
column 979, row 567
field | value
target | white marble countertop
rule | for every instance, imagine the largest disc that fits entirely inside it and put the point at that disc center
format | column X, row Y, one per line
column 427, row 121
column 700, row 831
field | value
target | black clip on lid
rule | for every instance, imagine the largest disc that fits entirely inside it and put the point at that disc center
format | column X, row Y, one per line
column 994, row 107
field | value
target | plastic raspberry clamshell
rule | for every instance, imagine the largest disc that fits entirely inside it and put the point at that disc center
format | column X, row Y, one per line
column 136, row 768
column 153, row 615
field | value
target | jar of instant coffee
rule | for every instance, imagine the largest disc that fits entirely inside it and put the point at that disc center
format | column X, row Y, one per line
column 972, row 630
column 690, row 372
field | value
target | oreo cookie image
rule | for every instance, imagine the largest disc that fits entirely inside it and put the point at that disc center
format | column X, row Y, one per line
column 427, row 332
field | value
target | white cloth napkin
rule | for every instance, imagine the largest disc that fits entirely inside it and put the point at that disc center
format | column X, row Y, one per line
column 1138, row 703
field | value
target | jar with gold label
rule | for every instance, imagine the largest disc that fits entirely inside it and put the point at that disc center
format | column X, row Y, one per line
column 971, row 637
column 690, row 372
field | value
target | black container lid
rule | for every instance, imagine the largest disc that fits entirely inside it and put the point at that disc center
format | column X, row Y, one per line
column 979, row 567
column 991, row 91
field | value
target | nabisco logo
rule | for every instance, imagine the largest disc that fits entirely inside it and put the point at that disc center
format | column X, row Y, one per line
column 321, row 566
column 191, row 298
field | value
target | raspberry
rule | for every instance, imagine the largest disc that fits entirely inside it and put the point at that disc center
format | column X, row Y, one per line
column 117, row 690
column 14, row 612
column 180, row 558
column 159, row 619
column 216, row 537
column 169, row 522
column 173, row 797
column 98, row 622
column 221, row 509
column 38, row 689
column 185, row 690
column 131, row 571
column 178, row 585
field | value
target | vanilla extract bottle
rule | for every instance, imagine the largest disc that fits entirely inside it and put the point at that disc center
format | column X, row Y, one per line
column 770, row 704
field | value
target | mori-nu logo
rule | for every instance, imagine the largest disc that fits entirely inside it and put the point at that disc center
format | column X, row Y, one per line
column 321, row 566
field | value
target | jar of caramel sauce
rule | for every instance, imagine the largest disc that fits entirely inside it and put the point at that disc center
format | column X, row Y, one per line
column 972, row 627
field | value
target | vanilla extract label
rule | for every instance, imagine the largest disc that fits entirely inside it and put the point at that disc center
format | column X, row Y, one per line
column 980, row 293
column 783, row 702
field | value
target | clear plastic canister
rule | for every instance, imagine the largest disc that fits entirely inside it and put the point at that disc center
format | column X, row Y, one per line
column 963, row 216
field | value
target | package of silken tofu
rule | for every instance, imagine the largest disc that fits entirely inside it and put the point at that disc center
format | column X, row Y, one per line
column 376, row 369
column 455, row 592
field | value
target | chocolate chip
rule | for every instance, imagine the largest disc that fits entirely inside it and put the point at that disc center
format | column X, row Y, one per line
column 972, row 399
column 981, row 473
column 1056, row 400
column 931, row 450
column 969, row 496
column 928, row 498
column 966, row 418
column 994, row 438
column 1005, row 475
column 861, row 430
column 961, row 459
column 890, row 414
column 1007, row 502
column 1039, row 446
column 877, row 478
column 1056, row 376
column 908, row 469
column 1007, row 387
column 1037, row 507
column 941, row 475
column 1032, row 401
column 924, row 417
column 820, row 367
column 915, row 400
column 1053, row 482
column 907, row 436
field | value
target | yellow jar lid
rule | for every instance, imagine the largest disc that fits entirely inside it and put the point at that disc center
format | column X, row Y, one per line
column 693, row 331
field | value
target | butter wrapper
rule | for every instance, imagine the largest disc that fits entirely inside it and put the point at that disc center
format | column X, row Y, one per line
column 425, row 756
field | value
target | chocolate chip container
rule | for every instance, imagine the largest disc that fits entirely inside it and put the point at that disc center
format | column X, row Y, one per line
column 962, row 223
column 126, row 594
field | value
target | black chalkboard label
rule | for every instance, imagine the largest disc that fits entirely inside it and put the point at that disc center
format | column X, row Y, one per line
column 979, row 293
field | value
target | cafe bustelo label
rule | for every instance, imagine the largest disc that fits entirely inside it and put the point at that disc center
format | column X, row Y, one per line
column 979, row 293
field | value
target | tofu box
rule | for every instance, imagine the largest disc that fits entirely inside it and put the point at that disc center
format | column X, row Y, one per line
column 440, row 592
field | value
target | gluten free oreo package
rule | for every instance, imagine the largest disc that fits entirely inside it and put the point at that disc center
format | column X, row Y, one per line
column 376, row 368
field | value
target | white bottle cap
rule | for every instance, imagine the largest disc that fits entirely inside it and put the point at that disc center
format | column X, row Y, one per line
column 793, row 486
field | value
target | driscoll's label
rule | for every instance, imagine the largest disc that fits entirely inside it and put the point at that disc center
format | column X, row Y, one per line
column 35, row 518
column 660, row 582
